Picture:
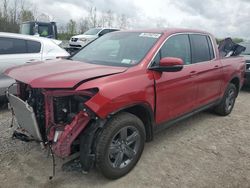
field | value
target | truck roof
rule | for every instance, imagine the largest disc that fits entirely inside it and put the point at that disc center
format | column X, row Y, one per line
column 42, row 22
column 170, row 30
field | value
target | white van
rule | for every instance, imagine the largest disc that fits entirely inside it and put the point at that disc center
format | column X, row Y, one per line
column 79, row 41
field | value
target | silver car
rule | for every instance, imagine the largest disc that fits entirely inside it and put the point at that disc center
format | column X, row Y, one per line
column 17, row 49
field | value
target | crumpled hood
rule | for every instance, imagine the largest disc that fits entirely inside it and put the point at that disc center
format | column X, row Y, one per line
column 60, row 73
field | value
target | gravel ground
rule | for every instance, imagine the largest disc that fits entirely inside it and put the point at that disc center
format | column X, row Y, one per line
column 203, row 151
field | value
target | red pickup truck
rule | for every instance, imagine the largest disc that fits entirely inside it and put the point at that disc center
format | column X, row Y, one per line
column 113, row 95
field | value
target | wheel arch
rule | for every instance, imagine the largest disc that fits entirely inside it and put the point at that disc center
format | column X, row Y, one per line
column 144, row 113
column 236, row 81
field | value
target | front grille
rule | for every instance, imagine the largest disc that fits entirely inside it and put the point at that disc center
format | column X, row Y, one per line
column 74, row 39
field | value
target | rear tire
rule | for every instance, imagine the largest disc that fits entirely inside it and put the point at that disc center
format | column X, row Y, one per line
column 226, row 105
column 120, row 145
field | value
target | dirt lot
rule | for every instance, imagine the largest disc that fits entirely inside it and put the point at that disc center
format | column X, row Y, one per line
column 203, row 151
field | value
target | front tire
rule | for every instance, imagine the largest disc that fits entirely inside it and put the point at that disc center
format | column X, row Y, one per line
column 120, row 145
column 226, row 105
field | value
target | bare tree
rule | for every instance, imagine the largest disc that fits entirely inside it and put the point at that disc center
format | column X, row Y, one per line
column 8, row 21
column 123, row 21
column 106, row 19
column 43, row 17
column 62, row 29
column 5, row 9
column 13, row 12
column 83, row 25
column 92, row 17
column 26, row 15
column 71, row 27
column 110, row 18
column 103, row 19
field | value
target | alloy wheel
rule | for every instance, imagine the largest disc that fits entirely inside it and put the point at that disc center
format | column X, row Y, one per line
column 123, row 147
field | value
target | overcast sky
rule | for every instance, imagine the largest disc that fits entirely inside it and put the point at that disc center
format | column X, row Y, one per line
column 221, row 17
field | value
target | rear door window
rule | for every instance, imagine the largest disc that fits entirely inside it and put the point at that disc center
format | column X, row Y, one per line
column 33, row 46
column 201, row 48
column 103, row 32
column 18, row 46
column 113, row 30
column 12, row 46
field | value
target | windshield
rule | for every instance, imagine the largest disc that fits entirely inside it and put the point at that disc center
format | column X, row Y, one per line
column 118, row 49
column 43, row 30
column 92, row 32
column 247, row 51
column 25, row 29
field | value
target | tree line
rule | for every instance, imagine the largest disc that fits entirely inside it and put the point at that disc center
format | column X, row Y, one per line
column 13, row 13
column 93, row 19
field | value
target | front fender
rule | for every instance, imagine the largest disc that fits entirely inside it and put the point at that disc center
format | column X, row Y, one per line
column 118, row 91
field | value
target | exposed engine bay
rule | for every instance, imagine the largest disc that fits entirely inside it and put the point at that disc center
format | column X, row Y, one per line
column 58, row 114
column 66, row 108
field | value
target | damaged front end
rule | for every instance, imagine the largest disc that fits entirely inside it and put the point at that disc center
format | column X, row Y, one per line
column 57, row 118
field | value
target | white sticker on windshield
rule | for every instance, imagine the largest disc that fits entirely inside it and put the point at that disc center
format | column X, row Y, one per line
column 126, row 61
column 150, row 35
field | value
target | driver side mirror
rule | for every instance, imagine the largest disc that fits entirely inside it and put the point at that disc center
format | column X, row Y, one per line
column 169, row 64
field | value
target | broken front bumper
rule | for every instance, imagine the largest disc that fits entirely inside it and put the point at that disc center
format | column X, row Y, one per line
column 62, row 139
column 25, row 116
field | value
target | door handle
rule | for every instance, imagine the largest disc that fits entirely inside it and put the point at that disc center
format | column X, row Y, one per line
column 31, row 60
column 216, row 66
column 193, row 73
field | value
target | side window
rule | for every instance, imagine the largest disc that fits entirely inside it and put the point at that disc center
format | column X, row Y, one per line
column 33, row 46
column 12, row 46
column 5, row 45
column 43, row 30
column 201, row 51
column 176, row 46
column 103, row 32
column 113, row 30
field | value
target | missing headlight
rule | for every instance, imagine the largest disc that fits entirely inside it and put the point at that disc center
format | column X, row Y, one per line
column 65, row 108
